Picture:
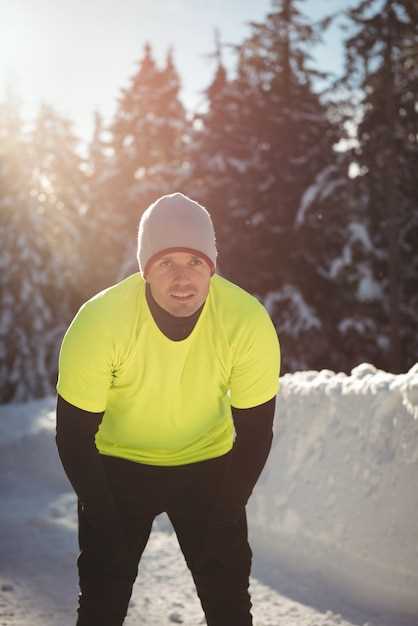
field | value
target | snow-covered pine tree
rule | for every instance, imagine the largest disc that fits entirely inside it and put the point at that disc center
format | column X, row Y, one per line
column 334, row 226
column 149, row 131
column 14, row 201
column 381, row 62
column 102, row 224
column 265, row 140
column 41, row 183
column 58, row 185
column 290, row 138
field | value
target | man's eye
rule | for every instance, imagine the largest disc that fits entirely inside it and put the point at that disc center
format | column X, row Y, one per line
column 196, row 262
column 165, row 263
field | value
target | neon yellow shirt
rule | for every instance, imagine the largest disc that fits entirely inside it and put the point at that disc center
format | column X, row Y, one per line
column 168, row 402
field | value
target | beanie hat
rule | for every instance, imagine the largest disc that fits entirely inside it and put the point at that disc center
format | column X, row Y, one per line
column 175, row 222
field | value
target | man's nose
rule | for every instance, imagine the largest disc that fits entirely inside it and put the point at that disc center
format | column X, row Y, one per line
column 181, row 272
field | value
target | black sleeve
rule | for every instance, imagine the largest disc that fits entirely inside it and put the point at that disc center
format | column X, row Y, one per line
column 254, row 436
column 81, row 460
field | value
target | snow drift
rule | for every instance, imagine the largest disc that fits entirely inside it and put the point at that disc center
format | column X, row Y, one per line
column 338, row 499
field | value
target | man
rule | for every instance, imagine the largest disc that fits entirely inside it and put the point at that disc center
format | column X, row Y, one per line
column 166, row 398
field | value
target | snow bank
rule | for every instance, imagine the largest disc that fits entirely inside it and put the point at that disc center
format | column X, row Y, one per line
column 338, row 499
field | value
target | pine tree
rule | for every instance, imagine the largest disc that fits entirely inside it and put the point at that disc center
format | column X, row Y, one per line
column 215, row 154
column 268, row 136
column 97, row 151
column 58, row 183
column 335, row 234
column 39, row 251
column 102, row 224
column 148, row 131
column 294, row 136
column 381, row 62
column 14, row 199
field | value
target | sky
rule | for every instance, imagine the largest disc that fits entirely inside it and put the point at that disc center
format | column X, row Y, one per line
column 76, row 56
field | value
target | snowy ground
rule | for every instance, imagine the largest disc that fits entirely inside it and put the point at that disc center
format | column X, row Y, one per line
column 334, row 514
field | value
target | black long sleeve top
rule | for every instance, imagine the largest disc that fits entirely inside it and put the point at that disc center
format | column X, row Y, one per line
column 76, row 429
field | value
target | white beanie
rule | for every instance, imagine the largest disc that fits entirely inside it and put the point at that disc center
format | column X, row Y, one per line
column 175, row 222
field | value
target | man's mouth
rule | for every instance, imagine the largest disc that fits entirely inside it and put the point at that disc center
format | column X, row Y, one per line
column 182, row 297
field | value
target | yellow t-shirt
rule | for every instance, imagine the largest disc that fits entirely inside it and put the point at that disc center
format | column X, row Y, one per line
column 168, row 402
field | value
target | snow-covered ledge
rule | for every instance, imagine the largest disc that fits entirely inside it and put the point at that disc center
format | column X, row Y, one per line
column 338, row 498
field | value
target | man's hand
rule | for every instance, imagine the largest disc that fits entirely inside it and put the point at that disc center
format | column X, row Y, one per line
column 254, row 435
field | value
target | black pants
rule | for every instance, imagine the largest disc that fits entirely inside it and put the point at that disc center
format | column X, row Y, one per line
column 218, row 556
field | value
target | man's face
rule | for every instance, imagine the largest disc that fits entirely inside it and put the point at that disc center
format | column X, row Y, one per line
column 179, row 282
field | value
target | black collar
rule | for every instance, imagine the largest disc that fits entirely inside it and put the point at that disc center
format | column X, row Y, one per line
column 176, row 328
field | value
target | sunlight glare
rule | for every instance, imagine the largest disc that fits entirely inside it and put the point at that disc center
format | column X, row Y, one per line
column 23, row 52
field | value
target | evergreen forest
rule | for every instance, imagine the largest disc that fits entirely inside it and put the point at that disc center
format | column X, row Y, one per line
column 311, row 181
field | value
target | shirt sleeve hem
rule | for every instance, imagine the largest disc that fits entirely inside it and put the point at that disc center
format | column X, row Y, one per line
column 80, row 403
column 255, row 402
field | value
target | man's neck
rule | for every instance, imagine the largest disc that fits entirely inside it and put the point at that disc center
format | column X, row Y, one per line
column 174, row 327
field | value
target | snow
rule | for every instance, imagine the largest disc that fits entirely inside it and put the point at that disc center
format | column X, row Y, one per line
column 358, row 232
column 324, row 185
column 358, row 237
column 361, row 326
column 368, row 288
column 340, row 489
column 332, row 521
column 241, row 165
column 302, row 316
